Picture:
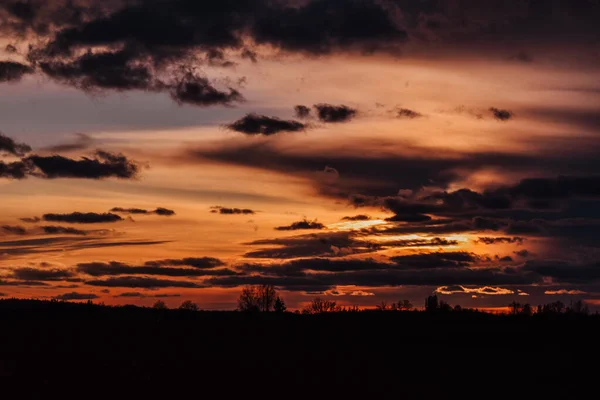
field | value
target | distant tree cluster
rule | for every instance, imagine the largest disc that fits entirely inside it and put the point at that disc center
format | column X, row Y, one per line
column 263, row 298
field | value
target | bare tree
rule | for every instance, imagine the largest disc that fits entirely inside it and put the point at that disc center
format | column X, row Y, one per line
column 383, row 306
column 188, row 305
column 160, row 305
column 404, row 305
column 318, row 306
column 257, row 298
column 279, row 306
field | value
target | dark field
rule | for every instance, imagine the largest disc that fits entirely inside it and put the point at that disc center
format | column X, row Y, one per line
column 56, row 346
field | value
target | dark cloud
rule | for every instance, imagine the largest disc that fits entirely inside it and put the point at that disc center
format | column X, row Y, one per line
column 334, row 114
column 14, row 230
column 32, row 220
column 165, row 212
column 564, row 271
column 114, row 268
column 76, row 296
column 11, row 71
column 254, row 124
column 407, row 113
column 130, row 294
column 102, row 70
column 334, row 244
column 35, row 274
column 22, row 283
column 500, row 240
column 194, row 262
column 292, row 276
column 232, row 211
column 159, row 211
column 198, row 91
column 142, row 282
column 8, row 145
column 415, row 217
column 129, row 210
column 436, row 260
column 302, row 112
column 501, row 115
column 14, row 170
column 301, row 225
column 82, row 142
column 102, row 165
column 523, row 253
column 62, row 230
column 82, row 218
column 435, row 242
column 360, row 217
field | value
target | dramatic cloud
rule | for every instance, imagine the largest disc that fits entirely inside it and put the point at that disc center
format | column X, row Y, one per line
column 194, row 262
column 103, row 165
column 165, row 212
column 302, row 112
column 104, row 70
column 32, row 220
column 197, row 90
column 301, row 225
column 114, row 268
column 357, row 218
column 82, row 142
column 523, row 253
column 254, row 124
column 501, row 115
column 407, row 113
column 500, row 240
column 13, row 170
column 333, row 114
column 35, row 274
column 14, row 230
column 564, row 292
column 565, row 272
column 159, row 211
column 334, row 244
column 366, row 273
column 436, row 260
column 76, row 296
column 8, row 145
column 487, row 290
column 13, row 72
column 142, row 282
column 232, row 211
column 82, row 218
column 61, row 230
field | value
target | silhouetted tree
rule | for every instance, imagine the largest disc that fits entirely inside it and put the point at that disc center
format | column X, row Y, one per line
column 160, row 305
column 404, row 305
column 445, row 307
column 318, row 306
column 257, row 298
column 431, row 303
column 279, row 306
column 556, row 307
column 578, row 307
column 457, row 308
column 527, row 310
column 189, row 306
column 383, row 306
column 515, row 308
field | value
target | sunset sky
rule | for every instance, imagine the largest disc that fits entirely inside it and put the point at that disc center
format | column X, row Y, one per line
column 357, row 150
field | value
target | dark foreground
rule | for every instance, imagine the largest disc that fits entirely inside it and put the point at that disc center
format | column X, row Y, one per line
column 59, row 347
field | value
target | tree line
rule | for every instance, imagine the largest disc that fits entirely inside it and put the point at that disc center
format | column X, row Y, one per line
column 265, row 298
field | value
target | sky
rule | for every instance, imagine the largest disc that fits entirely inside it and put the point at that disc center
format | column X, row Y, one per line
column 355, row 150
